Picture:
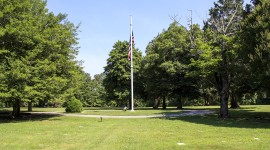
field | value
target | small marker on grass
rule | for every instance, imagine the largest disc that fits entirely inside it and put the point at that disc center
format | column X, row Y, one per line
column 181, row 143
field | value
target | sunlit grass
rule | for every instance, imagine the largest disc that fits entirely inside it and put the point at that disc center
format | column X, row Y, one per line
column 116, row 111
column 196, row 132
column 37, row 109
column 137, row 112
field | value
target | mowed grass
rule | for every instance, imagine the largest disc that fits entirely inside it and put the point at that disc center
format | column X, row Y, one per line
column 248, row 128
column 138, row 111
column 117, row 111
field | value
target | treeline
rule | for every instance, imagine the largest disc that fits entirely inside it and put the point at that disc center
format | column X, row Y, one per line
column 224, row 62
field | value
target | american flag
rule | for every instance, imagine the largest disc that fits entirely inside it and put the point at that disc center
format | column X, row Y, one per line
column 129, row 48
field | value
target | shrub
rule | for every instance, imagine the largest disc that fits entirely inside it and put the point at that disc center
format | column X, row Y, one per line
column 73, row 105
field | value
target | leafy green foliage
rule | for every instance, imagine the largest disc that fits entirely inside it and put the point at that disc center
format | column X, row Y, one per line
column 91, row 92
column 254, row 50
column 217, row 48
column 73, row 106
column 165, row 65
column 37, row 54
column 117, row 73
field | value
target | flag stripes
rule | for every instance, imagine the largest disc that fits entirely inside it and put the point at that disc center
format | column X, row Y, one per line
column 129, row 48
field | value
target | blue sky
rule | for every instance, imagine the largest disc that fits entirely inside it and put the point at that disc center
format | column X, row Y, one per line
column 104, row 22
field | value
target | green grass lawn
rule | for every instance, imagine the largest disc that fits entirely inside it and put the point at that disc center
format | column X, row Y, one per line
column 137, row 112
column 36, row 109
column 248, row 128
column 117, row 111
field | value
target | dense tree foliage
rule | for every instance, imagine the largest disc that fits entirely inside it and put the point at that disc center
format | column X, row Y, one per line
column 254, row 51
column 91, row 91
column 217, row 50
column 37, row 54
column 117, row 74
column 214, row 62
column 166, row 64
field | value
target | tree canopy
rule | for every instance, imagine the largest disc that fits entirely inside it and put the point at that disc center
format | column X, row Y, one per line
column 37, row 53
column 254, row 50
column 165, row 65
column 117, row 73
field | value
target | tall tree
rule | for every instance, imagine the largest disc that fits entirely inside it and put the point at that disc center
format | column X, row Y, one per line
column 37, row 53
column 216, row 51
column 166, row 65
column 117, row 73
column 225, row 21
column 254, row 50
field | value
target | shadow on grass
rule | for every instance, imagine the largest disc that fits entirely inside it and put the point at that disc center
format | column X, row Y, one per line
column 239, row 118
column 5, row 117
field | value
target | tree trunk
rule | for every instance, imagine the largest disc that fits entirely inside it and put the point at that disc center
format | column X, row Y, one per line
column 224, row 95
column 224, row 111
column 206, row 100
column 164, row 103
column 30, row 106
column 16, row 108
column 180, row 105
column 223, row 91
column 234, row 103
column 156, row 104
column 41, row 103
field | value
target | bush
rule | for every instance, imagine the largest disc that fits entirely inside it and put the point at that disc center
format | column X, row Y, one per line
column 73, row 105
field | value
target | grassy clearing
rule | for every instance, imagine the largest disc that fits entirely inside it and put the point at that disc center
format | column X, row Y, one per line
column 249, row 128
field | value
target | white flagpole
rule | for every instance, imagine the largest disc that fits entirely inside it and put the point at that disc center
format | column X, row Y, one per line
column 131, row 57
